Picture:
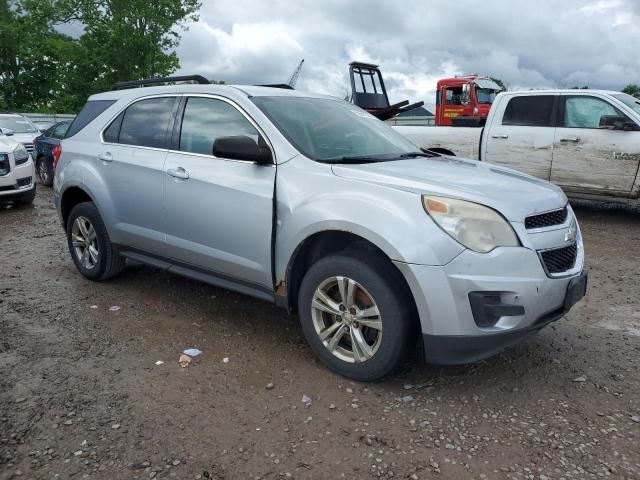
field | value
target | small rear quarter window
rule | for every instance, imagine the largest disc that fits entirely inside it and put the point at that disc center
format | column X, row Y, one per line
column 89, row 112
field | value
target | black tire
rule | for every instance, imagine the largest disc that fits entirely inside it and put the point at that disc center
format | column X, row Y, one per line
column 44, row 168
column 28, row 198
column 385, row 285
column 109, row 262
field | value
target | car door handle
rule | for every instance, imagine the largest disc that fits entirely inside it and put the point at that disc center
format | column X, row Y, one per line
column 105, row 157
column 500, row 136
column 570, row 139
column 178, row 172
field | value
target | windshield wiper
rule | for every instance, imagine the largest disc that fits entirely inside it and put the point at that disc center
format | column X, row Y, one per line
column 417, row 154
column 354, row 159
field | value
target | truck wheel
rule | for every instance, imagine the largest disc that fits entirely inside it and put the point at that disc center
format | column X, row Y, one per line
column 45, row 171
column 89, row 244
column 356, row 316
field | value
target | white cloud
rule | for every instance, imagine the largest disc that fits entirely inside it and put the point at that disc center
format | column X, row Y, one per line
column 526, row 44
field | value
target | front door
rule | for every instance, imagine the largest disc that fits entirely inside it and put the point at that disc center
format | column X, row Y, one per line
column 591, row 159
column 523, row 139
column 219, row 212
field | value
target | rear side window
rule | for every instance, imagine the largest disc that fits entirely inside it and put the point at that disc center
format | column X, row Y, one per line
column 529, row 111
column 112, row 133
column 89, row 112
column 60, row 130
column 206, row 119
column 145, row 123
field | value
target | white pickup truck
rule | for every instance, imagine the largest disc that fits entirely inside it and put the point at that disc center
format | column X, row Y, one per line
column 585, row 141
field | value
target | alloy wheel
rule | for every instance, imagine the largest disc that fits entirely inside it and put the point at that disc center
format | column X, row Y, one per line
column 42, row 171
column 346, row 319
column 85, row 242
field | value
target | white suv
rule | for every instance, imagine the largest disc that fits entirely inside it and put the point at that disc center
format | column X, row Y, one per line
column 17, row 173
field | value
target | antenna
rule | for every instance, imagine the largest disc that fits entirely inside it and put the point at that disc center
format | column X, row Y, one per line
column 296, row 74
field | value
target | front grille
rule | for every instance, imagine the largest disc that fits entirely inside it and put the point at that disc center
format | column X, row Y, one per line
column 560, row 260
column 548, row 219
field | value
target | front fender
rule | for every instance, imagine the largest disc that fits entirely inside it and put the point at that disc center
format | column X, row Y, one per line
column 392, row 219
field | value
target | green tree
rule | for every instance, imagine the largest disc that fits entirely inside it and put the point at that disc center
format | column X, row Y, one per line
column 125, row 39
column 632, row 89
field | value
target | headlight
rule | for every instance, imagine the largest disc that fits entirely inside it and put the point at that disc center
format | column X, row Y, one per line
column 475, row 226
column 20, row 155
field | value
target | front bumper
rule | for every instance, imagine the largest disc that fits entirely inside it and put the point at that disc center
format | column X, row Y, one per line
column 526, row 299
column 458, row 349
column 18, row 183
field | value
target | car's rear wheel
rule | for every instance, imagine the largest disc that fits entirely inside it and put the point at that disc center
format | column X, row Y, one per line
column 356, row 316
column 44, row 166
column 89, row 244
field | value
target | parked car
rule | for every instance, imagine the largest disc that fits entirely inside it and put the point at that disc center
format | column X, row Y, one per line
column 20, row 128
column 585, row 141
column 17, row 174
column 314, row 204
column 47, row 151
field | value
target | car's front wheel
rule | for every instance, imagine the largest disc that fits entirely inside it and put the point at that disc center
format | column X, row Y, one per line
column 44, row 166
column 89, row 244
column 356, row 315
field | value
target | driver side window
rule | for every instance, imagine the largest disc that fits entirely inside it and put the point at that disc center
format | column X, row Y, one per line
column 206, row 119
column 585, row 112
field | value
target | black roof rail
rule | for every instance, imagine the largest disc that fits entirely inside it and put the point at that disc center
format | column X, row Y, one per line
column 152, row 81
column 284, row 86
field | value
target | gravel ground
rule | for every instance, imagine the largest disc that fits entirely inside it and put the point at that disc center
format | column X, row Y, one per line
column 81, row 395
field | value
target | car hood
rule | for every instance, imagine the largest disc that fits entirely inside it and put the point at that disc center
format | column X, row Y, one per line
column 7, row 144
column 514, row 194
column 24, row 137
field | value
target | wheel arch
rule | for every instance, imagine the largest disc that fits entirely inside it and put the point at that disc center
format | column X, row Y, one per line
column 71, row 197
column 319, row 245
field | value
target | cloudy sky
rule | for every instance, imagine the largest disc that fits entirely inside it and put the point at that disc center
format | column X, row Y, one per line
column 526, row 43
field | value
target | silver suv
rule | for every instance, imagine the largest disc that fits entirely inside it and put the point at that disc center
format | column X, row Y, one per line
column 310, row 202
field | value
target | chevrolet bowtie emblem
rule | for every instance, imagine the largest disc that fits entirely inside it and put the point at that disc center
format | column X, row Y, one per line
column 571, row 234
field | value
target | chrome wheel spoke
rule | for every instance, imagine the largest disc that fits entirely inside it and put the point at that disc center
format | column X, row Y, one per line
column 346, row 287
column 86, row 258
column 371, row 311
column 77, row 243
column 323, row 302
column 82, row 227
column 371, row 323
column 361, row 349
column 91, row 233
column 93, row 253
column 335, row 339
column 330, row 330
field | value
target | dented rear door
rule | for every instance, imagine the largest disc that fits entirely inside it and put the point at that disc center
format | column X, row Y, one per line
column 588, row 159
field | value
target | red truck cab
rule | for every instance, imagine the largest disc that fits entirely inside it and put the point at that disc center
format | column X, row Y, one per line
column 465, row 101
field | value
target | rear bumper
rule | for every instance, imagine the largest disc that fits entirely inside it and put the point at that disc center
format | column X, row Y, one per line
column 459, row 349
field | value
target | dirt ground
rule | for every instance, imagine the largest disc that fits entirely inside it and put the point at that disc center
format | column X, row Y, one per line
column 81, row 395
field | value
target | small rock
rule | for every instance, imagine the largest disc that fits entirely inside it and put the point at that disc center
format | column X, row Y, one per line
column 407, row 398
column 306, row 399
column 115, row 426
column 580, row 379
column 77, row 453
column 635, row 418
column 269, row 386
column 20, row 400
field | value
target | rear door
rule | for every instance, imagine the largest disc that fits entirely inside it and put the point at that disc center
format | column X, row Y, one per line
column 131, row 160
column 219, row 212
column 521, row 134
column 590, row 159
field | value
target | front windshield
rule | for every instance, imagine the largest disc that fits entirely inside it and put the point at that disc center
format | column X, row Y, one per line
column 629, row 101
column 17, row 124
column 485, row 95
column 326, row 130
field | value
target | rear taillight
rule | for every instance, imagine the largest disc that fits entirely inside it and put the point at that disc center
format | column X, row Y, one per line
column 57, row 151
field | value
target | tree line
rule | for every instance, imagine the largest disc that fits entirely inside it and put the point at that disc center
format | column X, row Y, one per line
column 45, row 70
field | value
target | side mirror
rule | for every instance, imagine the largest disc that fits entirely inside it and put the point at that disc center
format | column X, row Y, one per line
column 616, row 122
column 242, row 147
column 7, row 131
